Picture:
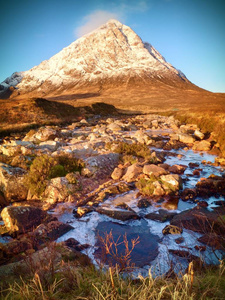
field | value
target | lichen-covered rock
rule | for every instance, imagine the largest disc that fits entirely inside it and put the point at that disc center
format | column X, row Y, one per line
column 21, row 219
column 101, row 164
column 171, row 181
column 171, row 229
column 58, row 190
column 11, row 183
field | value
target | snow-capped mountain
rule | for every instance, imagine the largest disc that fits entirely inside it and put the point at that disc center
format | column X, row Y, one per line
column 110, row 53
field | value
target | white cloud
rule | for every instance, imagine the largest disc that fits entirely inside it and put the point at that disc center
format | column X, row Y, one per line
column 94, row 20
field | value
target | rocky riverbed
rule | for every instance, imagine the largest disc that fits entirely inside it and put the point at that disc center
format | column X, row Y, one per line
column 146, row 176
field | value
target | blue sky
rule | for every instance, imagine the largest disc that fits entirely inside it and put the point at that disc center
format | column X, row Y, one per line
column 188, row 33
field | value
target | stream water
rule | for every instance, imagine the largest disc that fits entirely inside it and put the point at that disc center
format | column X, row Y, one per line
column 153, row 248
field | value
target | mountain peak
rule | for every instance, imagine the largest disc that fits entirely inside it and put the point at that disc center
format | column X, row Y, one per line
column 111, row 53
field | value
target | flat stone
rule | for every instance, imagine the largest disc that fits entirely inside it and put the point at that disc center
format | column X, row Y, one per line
column 118, row 214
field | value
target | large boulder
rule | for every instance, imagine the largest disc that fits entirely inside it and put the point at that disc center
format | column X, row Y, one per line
column 21, row 219
column 42, row 135
column 58, row 190
column 101, row 164
column 200, row 219
column 11, row 183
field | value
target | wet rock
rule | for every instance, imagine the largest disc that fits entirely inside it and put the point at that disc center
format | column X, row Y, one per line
column 179, row 240
column 219, row 202
column 50, row 231
column 202, row 146
column 171, row 229
column 81, row 211
column 161, row 216
column 200, row 248
column 11, row 183
column 117, row 173
column 118, row 214
column 200, row 219
column 154, row 170
column 202, row 204
column 211, row 186
column 143, row 203
column 217, row 242
column 188, row 194
column 75, row 245
column 21, row 219
column 171, row 203
column 193, row 165
column 133, row 172
column 184, row 254
column 196, row 173
column 177, row 169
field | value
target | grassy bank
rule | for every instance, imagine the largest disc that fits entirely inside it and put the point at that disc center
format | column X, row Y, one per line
column 208, row 122
column 72, row 282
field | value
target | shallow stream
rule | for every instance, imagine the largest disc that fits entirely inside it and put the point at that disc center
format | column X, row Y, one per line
column 153, row 248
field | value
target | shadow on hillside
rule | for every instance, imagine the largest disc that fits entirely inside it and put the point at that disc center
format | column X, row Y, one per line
column 74, row 96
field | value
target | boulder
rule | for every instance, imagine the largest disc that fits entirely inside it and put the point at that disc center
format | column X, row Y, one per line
column 188, row 194
column 117, row 173
column 58, row 190
column 118, row 214
column 199, row 134
column 11, row 183
column 199, row 219
column 81, row 211
column 133, row 172
column 171, row 229
column 42, row 135
column 186, row 138
column 162, row 215
column 154, row 170
column 114, row 127
column 21, row 219
column 101, row 164
column 50, row 145
column 143, row 203
column 50, row 231
column 202, row 146
column 177, row 169
column 171, row 181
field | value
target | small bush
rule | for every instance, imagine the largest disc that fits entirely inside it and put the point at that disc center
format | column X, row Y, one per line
column 138, row 150
column 46, row 167
column 146, row 186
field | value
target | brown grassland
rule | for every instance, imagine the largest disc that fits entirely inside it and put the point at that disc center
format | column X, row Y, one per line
column 185, row 101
